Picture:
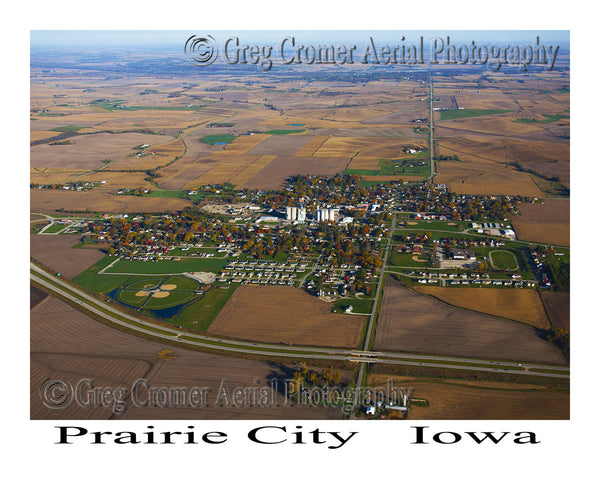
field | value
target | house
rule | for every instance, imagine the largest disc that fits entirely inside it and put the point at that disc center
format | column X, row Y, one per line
column 463, row 254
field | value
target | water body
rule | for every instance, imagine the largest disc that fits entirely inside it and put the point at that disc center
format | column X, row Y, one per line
column 168, row 313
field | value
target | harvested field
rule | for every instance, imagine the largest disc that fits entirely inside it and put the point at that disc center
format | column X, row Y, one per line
column 154, row 156
column 184, row 172
column 370, row 147
column 410, row 322
column 552, row 210
column 309, row 149
column 451, row 400
column 90, row 151
column 100, row 201
column 273, row 176
column 251, row 170
column 292, row 317
column 36, row 296
column 36, row 135
column 241, row 145
column 524, row 306
column 280, row 145
column 62, row 339
column 548, row 233
column 502, row 181
column 116, row 179
column 224, row 170
column 55, row 252
column 558, row 305
column 547, row 222
column 49, row 176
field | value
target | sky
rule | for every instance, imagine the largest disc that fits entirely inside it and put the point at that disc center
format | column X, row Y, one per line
column 176, row 38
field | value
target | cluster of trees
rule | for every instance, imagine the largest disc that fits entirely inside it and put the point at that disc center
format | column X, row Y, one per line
column 425, row 198
column 304, row 376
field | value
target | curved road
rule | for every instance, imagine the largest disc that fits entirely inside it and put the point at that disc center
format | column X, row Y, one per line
column 93, row 305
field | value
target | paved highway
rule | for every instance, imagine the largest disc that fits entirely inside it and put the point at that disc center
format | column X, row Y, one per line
column 106, row 311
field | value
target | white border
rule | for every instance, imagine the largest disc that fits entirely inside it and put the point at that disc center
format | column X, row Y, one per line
column 382, row 448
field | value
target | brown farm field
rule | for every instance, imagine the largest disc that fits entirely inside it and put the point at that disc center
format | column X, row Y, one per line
column 524, row 306
column 67, row 344
column 274, row 174
column 91, row 151
column 55, row 252
column 285, row 315
column 462, row 400
column 547, row 222
column 410, row 322
column 347, row 125
column 154, row 156
column 558, row 306
column 97, row 200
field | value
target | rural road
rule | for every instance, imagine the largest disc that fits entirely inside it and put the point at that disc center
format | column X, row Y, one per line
column 100, row 308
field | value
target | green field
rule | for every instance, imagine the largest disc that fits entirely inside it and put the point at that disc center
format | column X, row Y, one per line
column 427, row 225
column 406, row 260
column 504, row 260
column 66, row 129
column 102, row 283
column 548, row 119
column 397, row 167
column 357, row 171
column 115, row 105
column 142, row 293
column 220, row 138
column 55, row 228
column 158, row 267
column 468, row 112
column 358, row 305
column 200, row 314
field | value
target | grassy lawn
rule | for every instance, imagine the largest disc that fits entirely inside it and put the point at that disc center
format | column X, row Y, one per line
column 548, row 119
column 55, row 228
column 101, row 283
column 221, row 138
column 213, row 265
column 427, row 225
column 66, row 128
column 503, row 259
column 409, row 165
column 357, row 171
column 358, row 305
column 406, row 260
column 200, row 314
column 468, row 112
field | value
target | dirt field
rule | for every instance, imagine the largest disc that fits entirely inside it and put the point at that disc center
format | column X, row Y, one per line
column 285, row 315
column 153, row 156
column 459, row 400
column 100, row 201
column 55, row 252
column 549, row 233
column 89, row 151
column 558, row 306
column 524, row 306
column 410, row 322
column 544, row 223
column 273, row 175
column 66, row 344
